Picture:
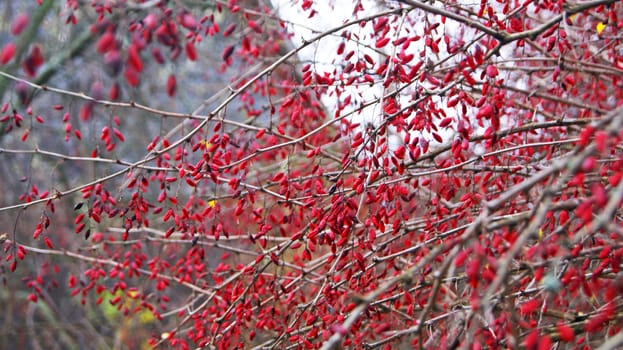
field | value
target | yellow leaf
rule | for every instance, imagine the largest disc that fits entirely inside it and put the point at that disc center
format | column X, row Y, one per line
column 212, row 203
column 600, row 27
column 146, row 317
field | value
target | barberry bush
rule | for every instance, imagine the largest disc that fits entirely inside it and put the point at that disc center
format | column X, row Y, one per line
column 311, row 174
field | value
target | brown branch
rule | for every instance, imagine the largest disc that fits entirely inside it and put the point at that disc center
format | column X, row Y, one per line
column 117, row 264
column 569, row 10
column 499, row 35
